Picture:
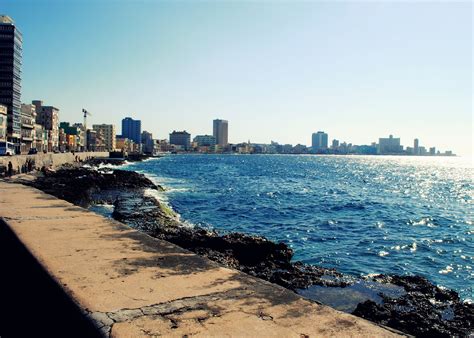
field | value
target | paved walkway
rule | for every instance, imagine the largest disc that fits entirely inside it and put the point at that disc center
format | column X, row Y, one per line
column 132, row 285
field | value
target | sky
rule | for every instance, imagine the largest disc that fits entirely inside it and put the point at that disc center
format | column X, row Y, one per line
column 277, row 70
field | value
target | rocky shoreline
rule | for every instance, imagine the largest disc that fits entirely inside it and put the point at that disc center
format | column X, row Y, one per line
column 421, row 309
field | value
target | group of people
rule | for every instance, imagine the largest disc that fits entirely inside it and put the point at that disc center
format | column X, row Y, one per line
column 27, row 167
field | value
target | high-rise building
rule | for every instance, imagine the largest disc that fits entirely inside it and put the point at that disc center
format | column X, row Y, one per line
column 335, row 144
column 132, row 129
column 48, row 117
column 181, row 138
column 319, row 141
column 221, row 132
column 416, row 149
column 390, row 145
column 108, row 133
column 11, row 42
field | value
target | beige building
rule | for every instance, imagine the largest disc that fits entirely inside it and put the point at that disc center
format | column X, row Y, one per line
column 108, row 133
column 48, row 117
column 28, row 132
column 3, row 123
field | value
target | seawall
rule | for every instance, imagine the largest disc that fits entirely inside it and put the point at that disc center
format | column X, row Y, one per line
column 48, row 159
column 127, row 284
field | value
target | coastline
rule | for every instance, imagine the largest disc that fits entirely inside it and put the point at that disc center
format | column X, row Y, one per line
column 272, row 261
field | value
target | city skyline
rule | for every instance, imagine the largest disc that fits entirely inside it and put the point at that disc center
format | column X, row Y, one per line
column 431, row 103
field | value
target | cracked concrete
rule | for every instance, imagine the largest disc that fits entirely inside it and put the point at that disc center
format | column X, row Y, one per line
column 130, row 284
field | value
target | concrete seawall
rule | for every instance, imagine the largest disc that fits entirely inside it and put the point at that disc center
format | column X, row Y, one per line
column 48, row 159
column 128, row 284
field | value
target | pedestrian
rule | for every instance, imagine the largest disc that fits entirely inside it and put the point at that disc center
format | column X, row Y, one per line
column 10, row 169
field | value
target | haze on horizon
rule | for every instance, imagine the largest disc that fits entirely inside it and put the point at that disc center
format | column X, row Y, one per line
column 276, row 70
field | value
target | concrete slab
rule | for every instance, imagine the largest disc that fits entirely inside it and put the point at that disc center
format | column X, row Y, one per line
column 132, row 285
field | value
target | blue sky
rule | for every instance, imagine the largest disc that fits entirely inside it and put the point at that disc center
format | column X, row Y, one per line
column 276, row 70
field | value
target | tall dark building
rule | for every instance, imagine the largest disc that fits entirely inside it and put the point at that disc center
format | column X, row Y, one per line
column 132, row 129
column 11, row 42
column 220, row 130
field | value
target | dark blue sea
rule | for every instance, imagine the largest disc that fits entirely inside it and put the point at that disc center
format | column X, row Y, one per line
column 361, row 215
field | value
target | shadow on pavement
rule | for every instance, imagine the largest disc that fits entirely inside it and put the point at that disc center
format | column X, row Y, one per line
column 31, row 302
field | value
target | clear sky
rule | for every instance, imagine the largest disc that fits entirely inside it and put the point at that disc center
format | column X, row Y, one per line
column 276, row 70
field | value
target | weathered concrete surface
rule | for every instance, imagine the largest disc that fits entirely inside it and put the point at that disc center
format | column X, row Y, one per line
column 48, row 159
column 133, row 285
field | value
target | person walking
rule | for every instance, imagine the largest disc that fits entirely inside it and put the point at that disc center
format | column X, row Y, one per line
column 10, row 169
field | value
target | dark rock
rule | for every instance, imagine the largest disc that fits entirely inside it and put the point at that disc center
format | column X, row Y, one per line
column 425, row 310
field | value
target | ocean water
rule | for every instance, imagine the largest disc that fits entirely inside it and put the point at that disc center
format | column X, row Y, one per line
column 361, row 215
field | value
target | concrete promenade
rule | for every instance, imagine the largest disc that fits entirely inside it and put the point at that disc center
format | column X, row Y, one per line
column 132, row 285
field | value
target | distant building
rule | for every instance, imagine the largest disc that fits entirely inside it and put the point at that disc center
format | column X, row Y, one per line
column 433, row 151
column 147, row 142
column 124, row 144
column 11, row 42
column 335, row 144
column 220, row 130
column 416, row 149
column 422, row 151
column 319, row 141
column 74, row 139
column 205, row 140
column 48, row 117
column 389, row 145
column 181, row 138
column 108, row 133
column 132, row 129
column 3, row 122
column 28, row 120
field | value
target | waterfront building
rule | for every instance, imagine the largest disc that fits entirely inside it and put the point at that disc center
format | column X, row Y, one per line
column 220, row 130
column 205, row 140
column 28, row 120
column 3, row 122
column 416, row 149
column 132, row 129
column 181, row 138
column 147, row 142
column 335, row 144
column 108, row 133
column 422, row 151
column 95, row 140
column 433, row 151
column 390, row 145
column 124, row 144
column 162, row 146
column 48, row 117
column 41, row 138
column 11, row 42
column 74, row 136
column 300, row 149
column 319, row 141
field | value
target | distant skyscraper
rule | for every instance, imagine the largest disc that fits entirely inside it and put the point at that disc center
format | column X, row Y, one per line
column 416, row 149
column 221, row 132
column 132, row 129
column 11, row 42
column 335, row 144
column 319, row 141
